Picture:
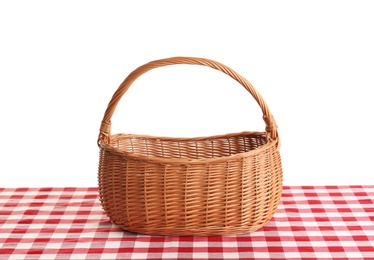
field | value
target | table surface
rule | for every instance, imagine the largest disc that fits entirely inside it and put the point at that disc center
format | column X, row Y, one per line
column 312, row 222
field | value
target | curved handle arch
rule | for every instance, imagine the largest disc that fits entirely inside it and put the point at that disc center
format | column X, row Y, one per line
column 271, row 127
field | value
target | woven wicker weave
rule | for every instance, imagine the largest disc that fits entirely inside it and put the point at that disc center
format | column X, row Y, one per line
column 226, row 184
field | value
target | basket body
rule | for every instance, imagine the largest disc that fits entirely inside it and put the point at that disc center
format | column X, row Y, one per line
column 217, row 185
column 227, row 184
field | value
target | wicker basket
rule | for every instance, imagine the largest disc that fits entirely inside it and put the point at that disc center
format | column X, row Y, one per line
column 226, row 184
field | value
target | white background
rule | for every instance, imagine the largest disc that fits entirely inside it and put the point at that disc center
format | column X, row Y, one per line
column 61, row 61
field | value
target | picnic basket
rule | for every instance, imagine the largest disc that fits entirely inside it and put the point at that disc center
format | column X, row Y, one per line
column 216, row 185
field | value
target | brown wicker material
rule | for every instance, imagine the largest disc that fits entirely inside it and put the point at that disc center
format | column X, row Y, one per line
column 218, row 185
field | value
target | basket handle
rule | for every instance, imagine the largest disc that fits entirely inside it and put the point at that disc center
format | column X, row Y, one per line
column 271, row 127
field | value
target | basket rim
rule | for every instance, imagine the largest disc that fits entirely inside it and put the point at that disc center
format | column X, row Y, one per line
column 154, row 159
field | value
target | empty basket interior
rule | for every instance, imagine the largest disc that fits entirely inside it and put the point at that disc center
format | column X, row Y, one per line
column 189, row 148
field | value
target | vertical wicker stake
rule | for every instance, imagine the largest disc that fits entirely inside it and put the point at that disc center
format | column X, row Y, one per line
column 217, row 185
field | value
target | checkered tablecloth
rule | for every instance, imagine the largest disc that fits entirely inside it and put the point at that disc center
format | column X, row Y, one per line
column 329, row 222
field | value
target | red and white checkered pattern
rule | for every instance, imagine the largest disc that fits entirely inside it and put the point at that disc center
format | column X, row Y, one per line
column 329, row 222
